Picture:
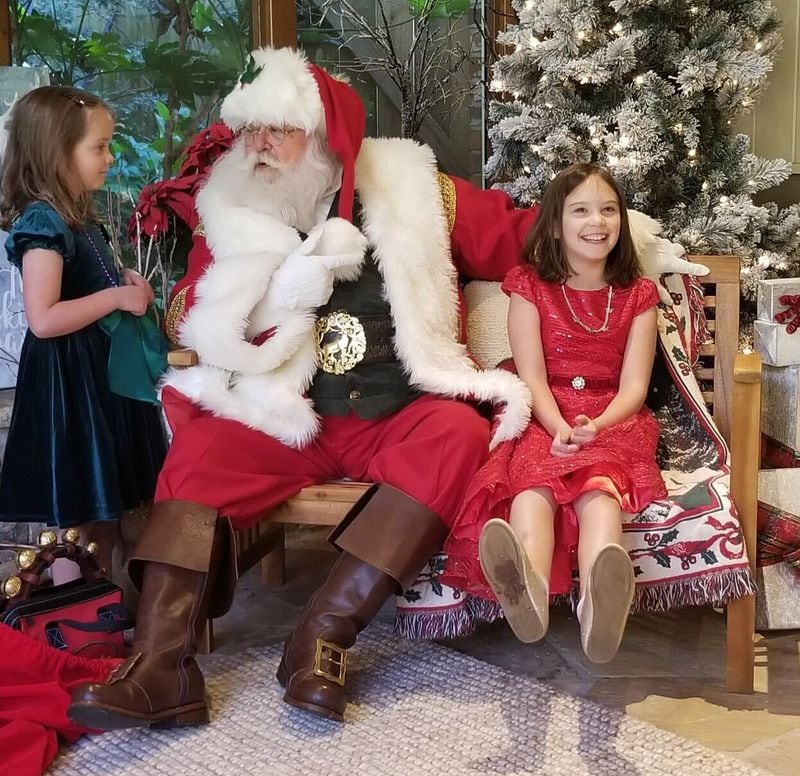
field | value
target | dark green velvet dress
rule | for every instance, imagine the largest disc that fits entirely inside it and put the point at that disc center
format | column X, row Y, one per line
column 76, row 451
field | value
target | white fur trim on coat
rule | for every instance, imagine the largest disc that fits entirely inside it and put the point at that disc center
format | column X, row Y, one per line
column 404, row 220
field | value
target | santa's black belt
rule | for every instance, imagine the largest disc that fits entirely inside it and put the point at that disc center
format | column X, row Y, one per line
column 342, row 341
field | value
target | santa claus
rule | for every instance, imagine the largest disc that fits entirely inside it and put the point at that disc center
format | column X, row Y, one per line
column 322, row 299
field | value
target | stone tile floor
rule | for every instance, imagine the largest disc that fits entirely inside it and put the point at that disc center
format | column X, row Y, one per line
column 669, row 672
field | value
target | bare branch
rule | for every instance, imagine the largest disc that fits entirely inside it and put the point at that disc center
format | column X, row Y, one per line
column 424, row 63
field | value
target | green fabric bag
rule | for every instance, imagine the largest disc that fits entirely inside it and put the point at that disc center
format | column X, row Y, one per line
column 138, row 355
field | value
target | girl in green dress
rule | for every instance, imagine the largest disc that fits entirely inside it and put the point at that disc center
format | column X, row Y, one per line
column 77, row 453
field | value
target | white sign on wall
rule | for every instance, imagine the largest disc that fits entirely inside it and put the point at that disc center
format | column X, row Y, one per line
column 14, row 82
column 12, row 320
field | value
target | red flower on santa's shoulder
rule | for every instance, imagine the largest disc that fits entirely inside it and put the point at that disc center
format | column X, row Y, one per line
column 160, row 201
column 205, row 148
column 149, row 218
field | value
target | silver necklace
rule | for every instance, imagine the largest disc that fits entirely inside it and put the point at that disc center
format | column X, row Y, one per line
column 580, row 323
column 100, row 260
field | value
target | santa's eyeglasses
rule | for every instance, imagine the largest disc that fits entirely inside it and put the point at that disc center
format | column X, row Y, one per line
column 275, row 135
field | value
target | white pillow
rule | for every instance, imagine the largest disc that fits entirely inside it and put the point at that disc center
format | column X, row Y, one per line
column 487, row 322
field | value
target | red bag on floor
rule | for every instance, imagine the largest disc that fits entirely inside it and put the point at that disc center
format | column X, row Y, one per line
column 84, row 617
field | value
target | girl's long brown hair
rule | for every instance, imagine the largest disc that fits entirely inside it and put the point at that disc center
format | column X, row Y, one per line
column 45, row 126
column 543, row 249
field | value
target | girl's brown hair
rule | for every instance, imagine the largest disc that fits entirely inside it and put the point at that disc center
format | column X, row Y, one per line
column 45, row 126
column 543, row 249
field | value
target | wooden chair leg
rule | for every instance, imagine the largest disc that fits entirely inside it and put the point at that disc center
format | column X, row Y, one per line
column 206, row 645
column 745, row 436
column 273, row 564
column 739, row 658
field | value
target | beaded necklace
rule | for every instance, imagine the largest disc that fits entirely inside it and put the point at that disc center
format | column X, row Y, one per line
column 100, row 261
column 580, row 323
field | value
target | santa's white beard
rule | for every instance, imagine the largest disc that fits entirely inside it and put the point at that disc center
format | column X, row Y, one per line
column 291, row 194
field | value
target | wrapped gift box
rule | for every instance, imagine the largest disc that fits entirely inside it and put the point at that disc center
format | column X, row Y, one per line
column 780, row 413
column 769, row 292
column 778, row 597
column 776, row 346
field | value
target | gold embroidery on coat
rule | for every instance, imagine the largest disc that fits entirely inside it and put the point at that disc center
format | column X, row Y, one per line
column 448, row 191
column 174, row 315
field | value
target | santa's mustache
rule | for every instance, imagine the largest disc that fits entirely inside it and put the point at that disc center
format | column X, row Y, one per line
column 268, row 159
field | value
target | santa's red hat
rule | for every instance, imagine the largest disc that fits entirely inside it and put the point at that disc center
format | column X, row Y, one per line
column 280, row 87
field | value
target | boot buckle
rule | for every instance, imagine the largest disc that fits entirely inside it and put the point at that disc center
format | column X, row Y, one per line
column 121, row 671
column 335, row 657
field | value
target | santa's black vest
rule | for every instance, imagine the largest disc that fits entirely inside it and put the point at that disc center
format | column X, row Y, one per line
column 377, row 385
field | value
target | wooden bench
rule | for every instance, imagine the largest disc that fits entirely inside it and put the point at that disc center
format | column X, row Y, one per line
column 732, row 390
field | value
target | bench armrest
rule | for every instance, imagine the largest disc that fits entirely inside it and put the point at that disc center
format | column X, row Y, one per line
column 181, row 357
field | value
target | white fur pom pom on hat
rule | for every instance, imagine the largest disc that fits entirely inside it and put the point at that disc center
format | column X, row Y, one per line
column 276, row 89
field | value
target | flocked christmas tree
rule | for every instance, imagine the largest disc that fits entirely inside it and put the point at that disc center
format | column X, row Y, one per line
column 652, row 89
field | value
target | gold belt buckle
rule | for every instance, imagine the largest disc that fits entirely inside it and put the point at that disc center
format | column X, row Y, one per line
column 340, row 342
column 335, row 657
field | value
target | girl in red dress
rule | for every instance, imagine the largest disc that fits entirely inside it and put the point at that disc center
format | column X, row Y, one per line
column 582, row 328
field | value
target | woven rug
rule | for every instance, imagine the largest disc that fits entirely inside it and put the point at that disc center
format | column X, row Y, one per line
column 419, row 708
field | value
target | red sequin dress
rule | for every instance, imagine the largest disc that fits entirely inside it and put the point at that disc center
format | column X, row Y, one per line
column 620, row 460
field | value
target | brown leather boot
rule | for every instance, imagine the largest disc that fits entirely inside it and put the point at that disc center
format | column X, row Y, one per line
column 115, row 540
column 385, row 541
column 179, row 558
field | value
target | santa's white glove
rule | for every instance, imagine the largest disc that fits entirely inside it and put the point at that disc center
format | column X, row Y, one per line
column 301, row 281
column 332, row 251
column 658, row 255
column 306, row 281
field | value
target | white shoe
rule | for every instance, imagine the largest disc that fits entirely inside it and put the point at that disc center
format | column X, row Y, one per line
column 521, row 592
column 603, row 610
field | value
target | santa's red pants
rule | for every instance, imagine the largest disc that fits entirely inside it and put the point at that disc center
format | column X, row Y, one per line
column 429, row 450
